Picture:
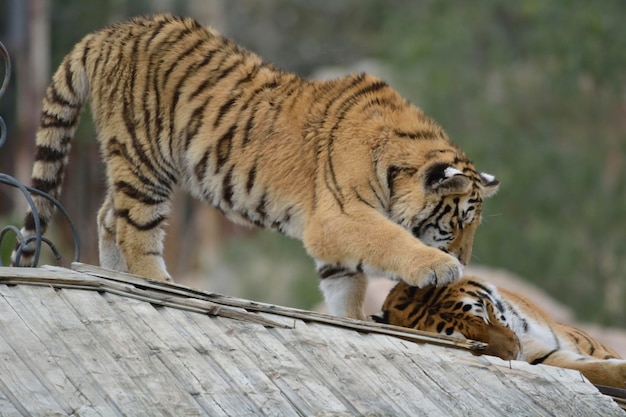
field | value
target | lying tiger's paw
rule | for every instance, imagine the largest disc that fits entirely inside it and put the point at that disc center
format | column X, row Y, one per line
column 444, row 269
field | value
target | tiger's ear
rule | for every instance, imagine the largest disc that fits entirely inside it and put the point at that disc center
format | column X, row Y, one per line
column 489, row 184
column 446, row 180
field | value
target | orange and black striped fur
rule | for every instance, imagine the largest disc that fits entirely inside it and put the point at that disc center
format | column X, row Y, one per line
column 365, row 179
column 513, row 326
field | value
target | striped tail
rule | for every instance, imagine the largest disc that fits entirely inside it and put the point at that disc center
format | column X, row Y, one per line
column 61, row 110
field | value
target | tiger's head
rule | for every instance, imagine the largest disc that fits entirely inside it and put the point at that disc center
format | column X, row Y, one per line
column 430, row 187
column 440, row 201
column 469, row 308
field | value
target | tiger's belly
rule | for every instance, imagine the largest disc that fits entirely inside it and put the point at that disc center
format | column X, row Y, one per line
column 256, row 206
column 280, row 221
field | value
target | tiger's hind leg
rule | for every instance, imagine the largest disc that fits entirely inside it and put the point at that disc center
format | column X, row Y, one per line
column 132, row 219
column 343, row 289
column 610, row 372
column 140, row 233
column 110, row 255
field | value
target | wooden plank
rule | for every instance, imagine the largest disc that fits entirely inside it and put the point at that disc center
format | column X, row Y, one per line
column 368, row 354
column 168, row 344
column 617, row 394
column 423, row 372
column 22, row 386
column 573, row 396
column 94, row 372
column 345, row 375
column 523, row 387
column 479, row 382
column 67, row 381
column 10, row 404
column 92, row 270
column 429, row 397
column 43, row 359
column 304, row 390
column 150, row 296
column 476, row 380
column 217, row 357
column 152, row 381
column 466, row 380
column 229, row 360
column 43, row 272
column 275, row 346
column 403, row 387
column 95, row 360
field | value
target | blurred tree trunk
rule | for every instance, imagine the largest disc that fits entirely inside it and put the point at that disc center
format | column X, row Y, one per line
column 26, row 36
column 611, row 264
column 10, row 34
column 32, row 60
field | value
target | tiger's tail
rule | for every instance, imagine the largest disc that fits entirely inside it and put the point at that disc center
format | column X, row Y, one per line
column 61, row 109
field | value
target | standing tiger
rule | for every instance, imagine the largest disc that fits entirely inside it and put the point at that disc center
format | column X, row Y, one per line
column 366, row 180
column 513, row 327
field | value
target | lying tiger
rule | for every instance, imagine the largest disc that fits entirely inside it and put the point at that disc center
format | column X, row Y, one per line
column 512, row 325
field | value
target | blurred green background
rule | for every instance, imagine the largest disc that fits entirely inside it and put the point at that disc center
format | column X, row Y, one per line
column 534, row 91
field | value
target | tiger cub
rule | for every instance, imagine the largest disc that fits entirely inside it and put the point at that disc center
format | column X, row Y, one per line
column 366, row 180
column 512, row 325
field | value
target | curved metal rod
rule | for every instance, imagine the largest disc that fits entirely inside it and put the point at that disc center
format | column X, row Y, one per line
column 45, row 240
column 61, row 209
column 23, row 242
column 9, row 180
column 3, row 132
column 38, row 238
column 3, row 88
column 7, row 69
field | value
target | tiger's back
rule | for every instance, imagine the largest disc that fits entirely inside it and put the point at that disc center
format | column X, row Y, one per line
column 511, row 325
column 337, row 164
column 190, row 106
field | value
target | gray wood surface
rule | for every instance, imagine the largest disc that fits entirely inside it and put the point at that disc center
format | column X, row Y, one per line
column 98, row 343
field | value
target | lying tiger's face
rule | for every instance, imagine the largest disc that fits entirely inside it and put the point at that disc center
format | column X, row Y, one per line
column 441, row 204
column 468, row 308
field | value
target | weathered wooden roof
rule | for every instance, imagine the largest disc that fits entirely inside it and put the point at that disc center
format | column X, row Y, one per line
column 89, row 342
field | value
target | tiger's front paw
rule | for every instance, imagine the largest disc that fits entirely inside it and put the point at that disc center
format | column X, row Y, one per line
column 443, row 269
